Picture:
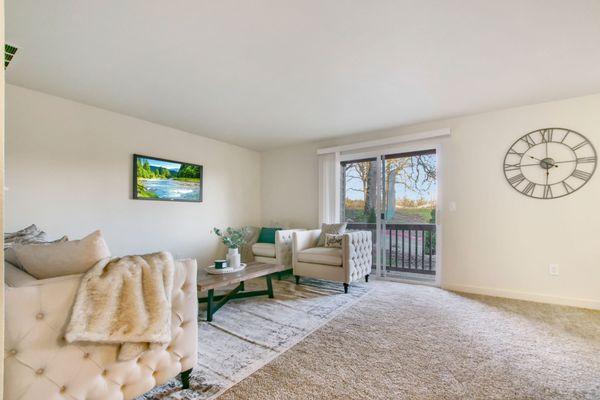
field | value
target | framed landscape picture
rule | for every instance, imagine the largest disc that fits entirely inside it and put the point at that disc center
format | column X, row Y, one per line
column 160, row 179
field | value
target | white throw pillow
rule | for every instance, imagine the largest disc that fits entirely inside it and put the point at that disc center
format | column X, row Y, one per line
column 65, row 258
column 334, row 229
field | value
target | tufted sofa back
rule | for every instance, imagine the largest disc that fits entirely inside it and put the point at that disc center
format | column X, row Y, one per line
column 40, row 365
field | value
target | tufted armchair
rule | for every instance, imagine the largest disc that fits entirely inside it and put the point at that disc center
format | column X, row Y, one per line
column 278, row 253
column 39, row 364
column 346, row 264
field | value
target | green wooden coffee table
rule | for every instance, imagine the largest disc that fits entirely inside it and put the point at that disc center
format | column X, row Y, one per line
column 209, row 282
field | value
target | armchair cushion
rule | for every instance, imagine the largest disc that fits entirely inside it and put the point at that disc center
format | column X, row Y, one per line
column 321, row 255
column 264, row 249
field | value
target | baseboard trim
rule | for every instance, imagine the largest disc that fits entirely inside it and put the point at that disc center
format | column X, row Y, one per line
column 513, row 294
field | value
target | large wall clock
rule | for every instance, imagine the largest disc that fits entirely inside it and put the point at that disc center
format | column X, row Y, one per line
column 550, row 163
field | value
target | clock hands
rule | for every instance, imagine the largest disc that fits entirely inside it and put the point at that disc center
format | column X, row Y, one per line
column 531, row 165
column 546, row 163
column 566, row 161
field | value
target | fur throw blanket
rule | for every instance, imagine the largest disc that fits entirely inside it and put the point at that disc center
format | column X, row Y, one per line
column 125, row 300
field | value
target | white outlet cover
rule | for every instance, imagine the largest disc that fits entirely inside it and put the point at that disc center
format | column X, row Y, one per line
column 553, row 269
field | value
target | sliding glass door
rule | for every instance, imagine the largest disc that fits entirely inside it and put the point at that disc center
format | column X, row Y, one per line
column 360, row 197
column 395, row 197
column 408, row 228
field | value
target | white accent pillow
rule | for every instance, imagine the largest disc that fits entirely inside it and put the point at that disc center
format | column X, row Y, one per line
column 334, row 229
column 65, row 258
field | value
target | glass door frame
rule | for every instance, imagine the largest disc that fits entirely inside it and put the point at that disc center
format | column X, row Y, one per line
column 380, row 228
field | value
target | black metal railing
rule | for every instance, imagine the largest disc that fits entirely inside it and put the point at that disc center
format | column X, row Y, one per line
column 408, row 247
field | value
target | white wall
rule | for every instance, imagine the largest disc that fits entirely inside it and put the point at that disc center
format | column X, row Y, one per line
column 498, row 241
column 69, row 170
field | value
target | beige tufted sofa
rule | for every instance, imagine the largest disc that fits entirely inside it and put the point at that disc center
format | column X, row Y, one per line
column 348, row 264
column 40, row 365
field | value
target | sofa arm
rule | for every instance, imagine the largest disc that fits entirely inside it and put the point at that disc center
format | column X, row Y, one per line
column 357, row 254
column 283, row 246
column 246, row 249
column 302, row 240
column 184, row 314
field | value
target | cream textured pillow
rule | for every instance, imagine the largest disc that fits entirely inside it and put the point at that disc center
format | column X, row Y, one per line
column 65, row 258
column 333, row 240
column 28, row 235
column 334, row 229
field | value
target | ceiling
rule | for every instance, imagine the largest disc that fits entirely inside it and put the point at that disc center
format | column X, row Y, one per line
column 269, row 73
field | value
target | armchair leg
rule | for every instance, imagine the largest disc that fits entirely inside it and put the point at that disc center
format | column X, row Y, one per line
column 345, row 288
column 367, row 278
column 185, row 378
column 297, row 279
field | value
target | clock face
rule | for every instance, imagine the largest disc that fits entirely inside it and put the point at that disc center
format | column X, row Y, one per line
column 550, row 163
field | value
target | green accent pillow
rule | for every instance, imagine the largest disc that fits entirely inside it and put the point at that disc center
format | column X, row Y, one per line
column 267, row 235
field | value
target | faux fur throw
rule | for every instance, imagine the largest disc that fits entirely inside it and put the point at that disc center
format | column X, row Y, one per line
column 125, row 300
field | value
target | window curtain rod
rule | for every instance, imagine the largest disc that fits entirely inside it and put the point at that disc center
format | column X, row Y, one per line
column 411, row 137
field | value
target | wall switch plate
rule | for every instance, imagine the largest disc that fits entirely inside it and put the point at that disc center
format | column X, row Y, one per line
column 452, row 206
column 553, row 269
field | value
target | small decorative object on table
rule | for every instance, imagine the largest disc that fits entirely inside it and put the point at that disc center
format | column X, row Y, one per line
column 233, row 239
column 214, row 270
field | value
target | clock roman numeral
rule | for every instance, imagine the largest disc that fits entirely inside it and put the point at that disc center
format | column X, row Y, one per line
column 547, row 192
column 547, row 135
column 528, row 141
column 515, row 180
column 567, row 187
column 579, row 174
column 516, row 153
column 512, row 167
column 580, row 145
column 564, row 137
column 583, row 160
column 528, row 190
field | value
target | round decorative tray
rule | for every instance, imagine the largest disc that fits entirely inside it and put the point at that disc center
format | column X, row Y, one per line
column 229, row 270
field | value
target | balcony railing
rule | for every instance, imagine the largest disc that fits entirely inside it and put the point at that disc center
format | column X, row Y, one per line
column 408, row 247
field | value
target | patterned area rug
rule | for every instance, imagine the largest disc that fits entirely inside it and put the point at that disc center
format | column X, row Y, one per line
column 248, row 333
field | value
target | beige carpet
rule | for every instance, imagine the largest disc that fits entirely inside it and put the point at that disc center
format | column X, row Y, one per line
column 248, row 333
column 416, row 342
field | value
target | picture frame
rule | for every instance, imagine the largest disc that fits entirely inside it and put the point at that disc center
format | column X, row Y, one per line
column 161, row 179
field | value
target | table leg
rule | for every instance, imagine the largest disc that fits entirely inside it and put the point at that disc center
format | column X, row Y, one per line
column 209, row 305
column 269, row 286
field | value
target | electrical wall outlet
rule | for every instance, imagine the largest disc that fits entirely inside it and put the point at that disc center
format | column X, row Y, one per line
column 553, row 269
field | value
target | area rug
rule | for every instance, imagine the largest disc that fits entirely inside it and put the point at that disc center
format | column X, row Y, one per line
column 248, row 333
column 418, row 342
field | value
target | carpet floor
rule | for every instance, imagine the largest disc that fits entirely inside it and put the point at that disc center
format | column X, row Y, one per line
column 416, row 342
column 246, row 334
